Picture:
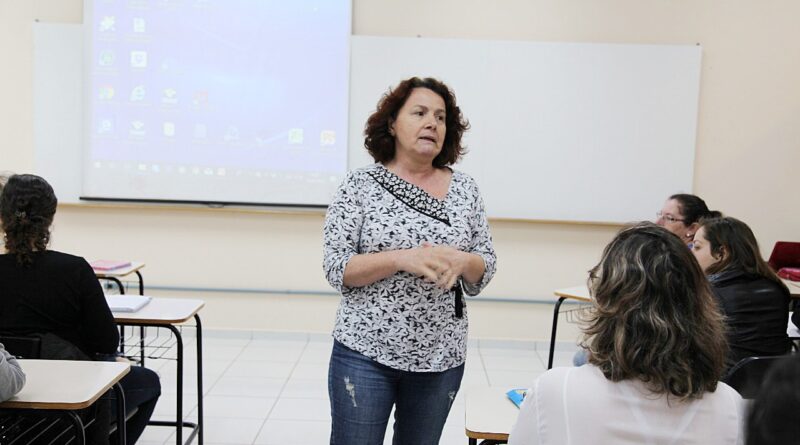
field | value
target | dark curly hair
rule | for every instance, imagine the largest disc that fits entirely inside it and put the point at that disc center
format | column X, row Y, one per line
column 381, row 144
column 27, row 207
column 654, row 317
column 693, row 208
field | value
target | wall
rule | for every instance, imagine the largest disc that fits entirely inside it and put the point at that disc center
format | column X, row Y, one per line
column 747, row 135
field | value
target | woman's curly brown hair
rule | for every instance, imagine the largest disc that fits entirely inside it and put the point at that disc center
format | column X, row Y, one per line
column 27, row 207
column 381, row 144
column 654, row 317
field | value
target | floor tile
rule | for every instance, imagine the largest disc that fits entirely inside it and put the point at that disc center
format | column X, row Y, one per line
column 237, row 407
column 301, row 409
column 294, row 432
column 231, row 430
column 247, row 386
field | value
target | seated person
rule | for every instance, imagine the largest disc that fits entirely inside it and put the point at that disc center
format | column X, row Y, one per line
column 772, row 417
column 657, row 350
column 12, row 379
column 682, row 213
column 753, row 299
column 57, row 297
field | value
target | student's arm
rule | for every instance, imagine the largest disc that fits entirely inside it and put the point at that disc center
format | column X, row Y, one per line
column 12, row 379
column 98, row 330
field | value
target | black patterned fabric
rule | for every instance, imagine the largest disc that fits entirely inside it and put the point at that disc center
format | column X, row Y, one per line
column 402, row 321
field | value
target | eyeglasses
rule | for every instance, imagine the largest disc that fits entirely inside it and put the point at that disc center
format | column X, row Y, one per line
column 667, row 217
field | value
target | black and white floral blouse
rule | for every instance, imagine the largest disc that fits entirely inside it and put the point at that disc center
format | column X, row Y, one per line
column 403, row 321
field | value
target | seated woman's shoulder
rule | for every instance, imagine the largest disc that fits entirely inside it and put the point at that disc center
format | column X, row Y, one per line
column 62, row 259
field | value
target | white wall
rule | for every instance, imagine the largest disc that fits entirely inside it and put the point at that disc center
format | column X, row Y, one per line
column 747, row 141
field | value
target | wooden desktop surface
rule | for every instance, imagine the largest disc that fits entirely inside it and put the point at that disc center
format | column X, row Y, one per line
column 489, row 414
column 162, row 311
column 65, row 384
column 582, row 292
column 575, row 293
column 120, row 272
column 794, row 288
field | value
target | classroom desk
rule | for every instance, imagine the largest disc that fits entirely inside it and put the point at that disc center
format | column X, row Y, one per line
column 115, row 275
column 794, row 288
column 167, row 313
column 489, row 415
column 579, row 293
column 78, row 385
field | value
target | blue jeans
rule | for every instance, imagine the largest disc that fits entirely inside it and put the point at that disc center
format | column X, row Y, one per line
column 362, row 393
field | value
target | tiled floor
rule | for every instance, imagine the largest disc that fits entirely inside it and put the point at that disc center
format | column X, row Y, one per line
column 272, row 388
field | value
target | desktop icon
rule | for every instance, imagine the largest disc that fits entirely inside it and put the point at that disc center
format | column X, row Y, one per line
column 200, row 98
column 106, row 58
column 170, row 96
column 137, row 93
column 106, row 92
column 200, row 131
column 106, row 126
column 107, row 23
column 137, row 129
column 327, row 138
column 139, row 59
column 295, row 136
column 231, row 134
column 139, row 25
column 169, row 129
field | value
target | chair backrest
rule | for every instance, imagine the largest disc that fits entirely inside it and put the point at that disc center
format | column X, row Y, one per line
column 22, row 347
column 747, row 375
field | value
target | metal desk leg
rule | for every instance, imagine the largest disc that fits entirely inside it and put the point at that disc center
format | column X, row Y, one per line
column 77, row 424
column 141, row 283
column 553, row 334
column 179, row 423
column 199, row 339
column 141, row 328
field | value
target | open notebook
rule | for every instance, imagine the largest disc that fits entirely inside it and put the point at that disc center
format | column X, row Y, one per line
column 127, row 303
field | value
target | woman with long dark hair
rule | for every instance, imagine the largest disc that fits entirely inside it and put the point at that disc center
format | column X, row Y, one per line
column 753, row 299
column 56, row 296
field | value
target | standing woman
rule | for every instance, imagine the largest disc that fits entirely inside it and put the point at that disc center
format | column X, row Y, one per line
column 57, row 297
column 681, row 215
column 403, row 237
column 753, row 299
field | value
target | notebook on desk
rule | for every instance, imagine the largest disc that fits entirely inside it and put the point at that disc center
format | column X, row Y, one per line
column 106, row 265
column 127, row 303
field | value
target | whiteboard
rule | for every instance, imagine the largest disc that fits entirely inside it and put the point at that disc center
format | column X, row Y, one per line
column 560, row 131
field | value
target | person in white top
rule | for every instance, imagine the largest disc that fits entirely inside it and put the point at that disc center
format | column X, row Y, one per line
column 657, row 349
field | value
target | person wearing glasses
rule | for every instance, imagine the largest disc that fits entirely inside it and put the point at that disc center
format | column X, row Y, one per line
column 753, row 299
column 681, row 215
column 657, row 351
